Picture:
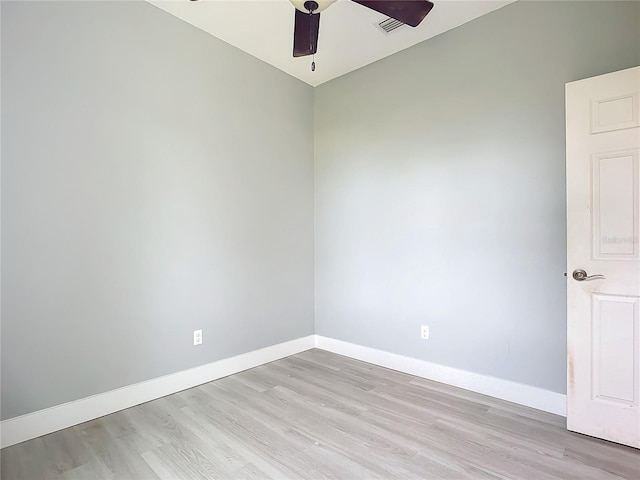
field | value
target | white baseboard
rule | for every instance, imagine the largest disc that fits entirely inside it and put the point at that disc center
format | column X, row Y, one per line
column 32, row 425
column 520, row 393
column 42, row 422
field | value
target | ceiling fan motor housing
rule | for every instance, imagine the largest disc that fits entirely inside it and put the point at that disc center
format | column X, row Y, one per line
column 303, row 5
column 311, row 5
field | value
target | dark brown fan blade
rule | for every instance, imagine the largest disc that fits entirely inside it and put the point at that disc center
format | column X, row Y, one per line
column 411, row 12
column 305, row 34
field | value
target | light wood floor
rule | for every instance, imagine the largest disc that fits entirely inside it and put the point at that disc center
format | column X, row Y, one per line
column 320, row 415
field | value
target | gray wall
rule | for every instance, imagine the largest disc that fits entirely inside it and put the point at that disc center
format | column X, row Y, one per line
column 151, row 185
column 156, row 180
column 440, row 199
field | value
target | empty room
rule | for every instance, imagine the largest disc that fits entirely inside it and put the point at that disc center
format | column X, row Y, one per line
column 344, row 239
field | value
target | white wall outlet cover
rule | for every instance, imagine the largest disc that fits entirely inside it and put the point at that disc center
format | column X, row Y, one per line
column 197, row 337
column 424, row 332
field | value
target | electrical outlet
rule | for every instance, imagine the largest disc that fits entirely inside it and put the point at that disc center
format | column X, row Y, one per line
column 197, row 337
column 424, row 332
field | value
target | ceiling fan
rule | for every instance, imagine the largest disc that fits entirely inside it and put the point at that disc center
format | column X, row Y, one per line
column 307, row 19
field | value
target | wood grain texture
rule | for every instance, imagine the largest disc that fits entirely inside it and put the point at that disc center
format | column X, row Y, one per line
column 321, row 415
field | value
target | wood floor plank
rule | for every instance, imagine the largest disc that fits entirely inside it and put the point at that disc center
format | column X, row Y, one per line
column 318, row 432
column 130, row 425
column 262, row 447
column 214, row 447
column 94, row 469
column 267, row 434
column 181, row 460
column 119, row 456
column 241, row 447
column 321, row 415
column 26, row 461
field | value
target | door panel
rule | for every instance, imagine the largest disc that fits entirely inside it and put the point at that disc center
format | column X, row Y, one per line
column 603, row 221
column 616, row 113
column 615, row 202
column 615, row 349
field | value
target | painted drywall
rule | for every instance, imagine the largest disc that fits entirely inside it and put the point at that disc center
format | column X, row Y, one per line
column 155, row 180
column 440, row 198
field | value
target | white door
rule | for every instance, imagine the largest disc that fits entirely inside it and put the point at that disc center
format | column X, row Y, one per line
column 603, row 218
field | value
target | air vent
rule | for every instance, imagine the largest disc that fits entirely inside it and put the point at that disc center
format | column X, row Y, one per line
column 389, row 25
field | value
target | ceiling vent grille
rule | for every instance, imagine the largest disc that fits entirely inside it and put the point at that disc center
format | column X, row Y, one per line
column 389, row 25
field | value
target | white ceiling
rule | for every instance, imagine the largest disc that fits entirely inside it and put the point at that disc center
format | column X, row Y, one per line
column 348, row 37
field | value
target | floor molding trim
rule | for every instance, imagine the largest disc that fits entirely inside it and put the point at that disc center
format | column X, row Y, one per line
column 42, row 422
column 520, row 393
